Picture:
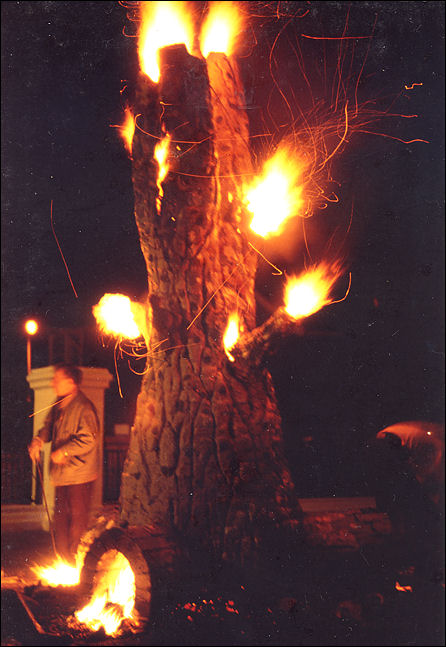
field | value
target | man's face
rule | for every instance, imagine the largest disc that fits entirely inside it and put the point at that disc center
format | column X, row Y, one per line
column 62, row 384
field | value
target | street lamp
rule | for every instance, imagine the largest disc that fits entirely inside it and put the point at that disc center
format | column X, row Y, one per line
column 31, row 327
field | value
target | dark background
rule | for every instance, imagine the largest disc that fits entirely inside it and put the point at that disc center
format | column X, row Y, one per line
column 372, row 360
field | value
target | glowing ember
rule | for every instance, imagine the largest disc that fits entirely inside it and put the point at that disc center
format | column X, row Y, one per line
column 128, row 129
column 59, row 573
column 231, row 335
column 405, row 589
column 161, row 154
column 309, row 292
column 162, row 24
column 276, row 196
column 113, row 599
column 114, row 316
column 221, row 28
column 31, row 327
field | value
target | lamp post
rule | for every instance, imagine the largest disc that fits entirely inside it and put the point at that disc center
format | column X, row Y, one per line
column 31, row 327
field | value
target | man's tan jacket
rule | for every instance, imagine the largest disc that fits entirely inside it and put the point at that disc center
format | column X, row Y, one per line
column 75, row 430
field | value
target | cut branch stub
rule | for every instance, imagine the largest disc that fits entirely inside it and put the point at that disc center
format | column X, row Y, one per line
column 255, row 345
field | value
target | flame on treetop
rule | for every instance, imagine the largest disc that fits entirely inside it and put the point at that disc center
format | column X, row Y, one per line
column 276, row 195
column 310, row 291
column 162, row 24
column 221, row 28
column 231, row 335
column 114, row 316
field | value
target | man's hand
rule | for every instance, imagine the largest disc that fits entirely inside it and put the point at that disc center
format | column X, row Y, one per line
column 34, row 449
column 59, row 457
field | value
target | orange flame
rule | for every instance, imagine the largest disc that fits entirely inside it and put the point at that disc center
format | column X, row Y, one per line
column 231, row 335
column 60, row 573
column 113, row 599
column 221, row 28
column 309, row 292
column 161, row 154
column 162, row 24
column 405, row 589
column 127, row 129
column 276, row 196
column 115, row 316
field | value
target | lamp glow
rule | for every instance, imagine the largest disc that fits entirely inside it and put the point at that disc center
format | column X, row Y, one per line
column 31, row 327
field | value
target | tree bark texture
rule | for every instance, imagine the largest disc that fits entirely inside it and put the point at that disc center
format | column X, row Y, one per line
column 205, row 460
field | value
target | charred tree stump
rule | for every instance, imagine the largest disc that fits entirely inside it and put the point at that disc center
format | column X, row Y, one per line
column 205, row 462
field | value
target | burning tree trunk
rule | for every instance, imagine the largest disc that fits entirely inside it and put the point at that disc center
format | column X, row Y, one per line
column 205, row 459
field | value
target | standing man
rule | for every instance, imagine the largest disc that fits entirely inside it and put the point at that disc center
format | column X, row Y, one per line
column 72, row 427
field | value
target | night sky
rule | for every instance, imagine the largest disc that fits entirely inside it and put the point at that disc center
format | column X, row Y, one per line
column 372, row 360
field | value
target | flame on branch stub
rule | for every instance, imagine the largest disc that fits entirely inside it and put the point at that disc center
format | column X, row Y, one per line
column 231, row 335
column 115, row 315
column 127, row 129
column 220, row 29
column 310, row 291
column 162, row 24
column 161, row 154
column 276, row 195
